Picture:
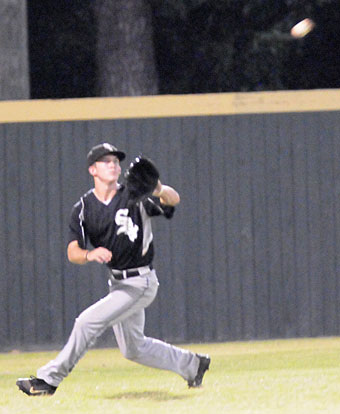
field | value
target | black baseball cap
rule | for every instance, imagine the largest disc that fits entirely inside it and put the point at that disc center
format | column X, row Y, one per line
column 100, row 150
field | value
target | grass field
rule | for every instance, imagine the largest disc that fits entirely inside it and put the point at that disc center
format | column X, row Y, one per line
column 279, row 377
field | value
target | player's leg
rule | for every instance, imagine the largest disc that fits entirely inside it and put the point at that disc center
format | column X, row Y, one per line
column 135, row 346
column 119, row 304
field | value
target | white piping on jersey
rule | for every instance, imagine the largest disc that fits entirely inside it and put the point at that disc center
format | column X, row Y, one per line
column 147, row 229
column 81, row 219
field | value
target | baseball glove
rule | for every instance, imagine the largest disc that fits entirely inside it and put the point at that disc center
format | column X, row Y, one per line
column 141, row 178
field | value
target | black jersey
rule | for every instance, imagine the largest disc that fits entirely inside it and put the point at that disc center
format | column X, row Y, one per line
column 122, row 228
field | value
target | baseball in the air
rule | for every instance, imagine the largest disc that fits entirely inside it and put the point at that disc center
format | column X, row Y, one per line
column 302, row 28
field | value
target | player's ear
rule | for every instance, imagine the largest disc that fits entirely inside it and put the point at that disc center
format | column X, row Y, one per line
column 92, row 169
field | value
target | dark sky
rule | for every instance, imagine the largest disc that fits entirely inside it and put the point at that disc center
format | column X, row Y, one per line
column 204, row 48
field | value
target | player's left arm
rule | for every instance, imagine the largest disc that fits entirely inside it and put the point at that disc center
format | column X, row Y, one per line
column 168, row 196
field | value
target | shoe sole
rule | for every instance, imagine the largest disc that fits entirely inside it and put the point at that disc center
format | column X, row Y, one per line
column 31, row 392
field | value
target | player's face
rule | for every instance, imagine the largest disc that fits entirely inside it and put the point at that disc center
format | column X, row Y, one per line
column 107, row 169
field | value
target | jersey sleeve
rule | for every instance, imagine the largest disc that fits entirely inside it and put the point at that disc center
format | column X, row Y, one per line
column 153, row 207
column 76, row 226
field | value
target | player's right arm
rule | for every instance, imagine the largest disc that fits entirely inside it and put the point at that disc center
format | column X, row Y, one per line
column 168, row 195
column 80, row 256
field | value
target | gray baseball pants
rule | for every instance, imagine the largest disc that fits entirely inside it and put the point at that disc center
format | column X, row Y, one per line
column 123, row 309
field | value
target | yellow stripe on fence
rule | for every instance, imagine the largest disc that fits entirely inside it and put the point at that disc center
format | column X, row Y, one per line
column 163, row 106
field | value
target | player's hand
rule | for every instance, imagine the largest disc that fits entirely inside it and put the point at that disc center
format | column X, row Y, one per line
column 100, row 255
column 158, row 190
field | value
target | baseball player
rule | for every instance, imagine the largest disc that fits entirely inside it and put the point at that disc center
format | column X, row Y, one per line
column 121, row 236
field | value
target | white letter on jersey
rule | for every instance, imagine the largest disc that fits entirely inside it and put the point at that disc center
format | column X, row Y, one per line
column 126, row 225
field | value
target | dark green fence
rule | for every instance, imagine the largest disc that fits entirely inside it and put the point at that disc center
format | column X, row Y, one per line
column 252, row 252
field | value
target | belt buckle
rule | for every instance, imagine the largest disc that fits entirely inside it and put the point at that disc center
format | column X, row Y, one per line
column 118, row 276
column 124, row 274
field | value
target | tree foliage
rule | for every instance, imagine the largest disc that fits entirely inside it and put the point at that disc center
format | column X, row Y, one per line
column 245, row 45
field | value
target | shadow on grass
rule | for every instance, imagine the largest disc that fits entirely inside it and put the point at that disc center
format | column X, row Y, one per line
column 149, row 395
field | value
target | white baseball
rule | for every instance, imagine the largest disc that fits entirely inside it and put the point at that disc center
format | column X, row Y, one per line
column 302, row 28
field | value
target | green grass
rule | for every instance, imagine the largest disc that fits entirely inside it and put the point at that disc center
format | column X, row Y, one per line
column 279, row 377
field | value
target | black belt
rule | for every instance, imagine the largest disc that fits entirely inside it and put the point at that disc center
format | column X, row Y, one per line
column 124, row 274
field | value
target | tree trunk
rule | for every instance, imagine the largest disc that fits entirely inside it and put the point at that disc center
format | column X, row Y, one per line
column 14, row 72
column 125, row 59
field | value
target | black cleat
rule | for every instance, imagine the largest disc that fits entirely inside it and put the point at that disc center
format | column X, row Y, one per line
column 203, row 366
column 34, row 386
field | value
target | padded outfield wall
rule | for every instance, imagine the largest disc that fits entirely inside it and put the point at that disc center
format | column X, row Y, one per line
column 253, row 251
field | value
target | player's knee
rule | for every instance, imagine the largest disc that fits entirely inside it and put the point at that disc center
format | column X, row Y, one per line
column 86, row 332
column 130, row 354
column 81, row 324
column 135, row 351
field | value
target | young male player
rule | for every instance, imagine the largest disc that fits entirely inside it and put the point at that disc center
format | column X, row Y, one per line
column 121, row 234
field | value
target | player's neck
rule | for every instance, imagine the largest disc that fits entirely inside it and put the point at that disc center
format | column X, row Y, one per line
column 105, row 192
